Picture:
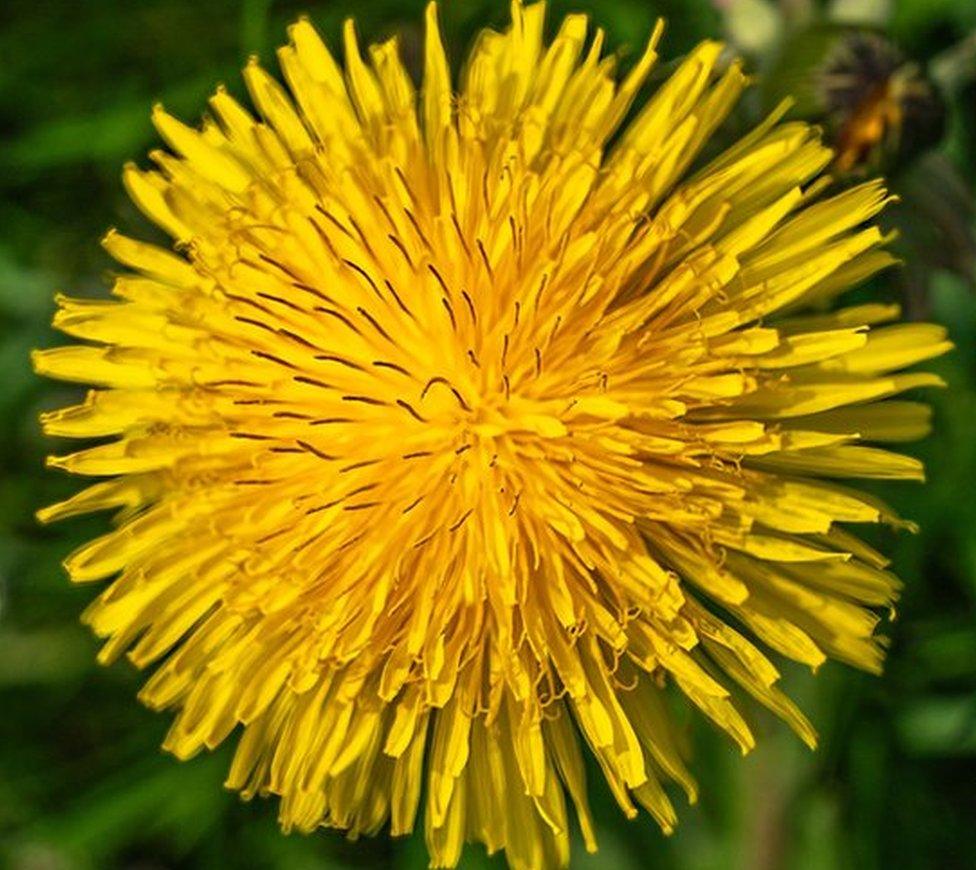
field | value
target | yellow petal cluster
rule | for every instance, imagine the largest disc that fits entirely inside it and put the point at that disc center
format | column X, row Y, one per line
column 464, row 422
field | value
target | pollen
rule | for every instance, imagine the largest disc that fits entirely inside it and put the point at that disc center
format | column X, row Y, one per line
column 464, row 430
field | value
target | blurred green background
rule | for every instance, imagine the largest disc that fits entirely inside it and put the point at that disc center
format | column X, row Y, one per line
column 82, row 781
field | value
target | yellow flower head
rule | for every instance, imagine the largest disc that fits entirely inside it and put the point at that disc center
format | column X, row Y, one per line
column 461, row 424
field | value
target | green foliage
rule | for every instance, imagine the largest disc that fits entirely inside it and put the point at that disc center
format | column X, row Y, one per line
column 82, row 781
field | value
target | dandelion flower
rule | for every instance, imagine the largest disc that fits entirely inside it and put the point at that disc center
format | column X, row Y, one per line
column 463, row 424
